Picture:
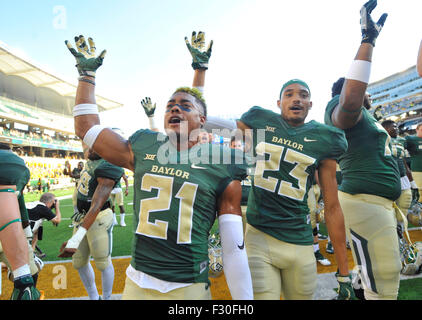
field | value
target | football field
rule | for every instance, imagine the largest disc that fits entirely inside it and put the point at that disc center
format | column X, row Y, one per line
column 59, row 280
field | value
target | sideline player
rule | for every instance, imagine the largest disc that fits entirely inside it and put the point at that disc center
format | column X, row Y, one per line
column 93, row 225
column 116, row 197
column 414, row 145
column 406, row 177
column 370, row 176
column 175, row 202
column 14, row 223
column 279, row 233
column 75, row 174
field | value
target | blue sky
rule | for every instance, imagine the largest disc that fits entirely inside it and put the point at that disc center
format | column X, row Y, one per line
column 258, row 45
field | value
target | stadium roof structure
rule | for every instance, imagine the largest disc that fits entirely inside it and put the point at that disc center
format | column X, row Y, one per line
column 12, row 64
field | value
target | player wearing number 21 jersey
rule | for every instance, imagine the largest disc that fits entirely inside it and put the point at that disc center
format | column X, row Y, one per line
column 179, row 188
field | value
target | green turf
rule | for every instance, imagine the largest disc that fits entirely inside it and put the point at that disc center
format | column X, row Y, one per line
column 410, row 289
column 53, row 236
column 35, row 196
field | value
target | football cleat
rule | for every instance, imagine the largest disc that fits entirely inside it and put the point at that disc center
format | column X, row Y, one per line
column 321, row 259
column 122, row 223
column 322, row 236
column 329, row 248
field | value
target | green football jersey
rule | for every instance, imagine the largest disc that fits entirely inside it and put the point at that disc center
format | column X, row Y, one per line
column 397, row 149
column 368, row 165
column 94, row 169
column 175, row 204
column 13, row 171
column 414, row 146
column 287, row 158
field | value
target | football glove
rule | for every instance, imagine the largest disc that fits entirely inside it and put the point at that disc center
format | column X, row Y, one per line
column 345, row 290
column 148, row 106
column 200, row 58
column 24, row 289
column 86, row 62
column 370, row 29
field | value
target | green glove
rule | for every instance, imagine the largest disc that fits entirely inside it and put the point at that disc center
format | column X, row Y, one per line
column 370, row 30
column 196, row 49
column 345, row 290
column 87, row 63
column 148, row 106
column 24, row 289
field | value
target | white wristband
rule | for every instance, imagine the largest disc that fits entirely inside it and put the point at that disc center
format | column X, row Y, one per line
column 200, row 89
column 28, row 232
column 152, row 123
column 359, row 70
column 76, row 239
column 92, row 134
column 85, row 108
column 413, row 184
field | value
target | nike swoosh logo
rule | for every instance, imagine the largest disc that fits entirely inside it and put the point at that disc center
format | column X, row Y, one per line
column 193, row 166
column 308, row 140
column 242, row 246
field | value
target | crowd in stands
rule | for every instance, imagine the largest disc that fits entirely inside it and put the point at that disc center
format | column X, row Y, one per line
column 41, row 137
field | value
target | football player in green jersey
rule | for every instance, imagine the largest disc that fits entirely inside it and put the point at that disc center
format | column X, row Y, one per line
column 14, row 176
column 406, row 177
column 279, row 235
column 370, row 176
column 176, row 196
column 93, row 225
column 414, row 145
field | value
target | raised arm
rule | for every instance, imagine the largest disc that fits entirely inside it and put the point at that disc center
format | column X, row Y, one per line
column 101, row 194
column 108, row 144
column 235, row 259
column 348, row 112
column 149, row 109
column 200, row 58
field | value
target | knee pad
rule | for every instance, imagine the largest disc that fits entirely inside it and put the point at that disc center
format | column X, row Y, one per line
column 102, row 263
column 78, row 261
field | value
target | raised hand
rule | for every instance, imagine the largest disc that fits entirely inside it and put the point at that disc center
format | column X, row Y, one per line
column 200, row 57
column 148, row 106
column 370, row 29
column 86, row 61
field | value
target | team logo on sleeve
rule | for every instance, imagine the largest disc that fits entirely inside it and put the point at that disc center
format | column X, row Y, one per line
column 150, row 156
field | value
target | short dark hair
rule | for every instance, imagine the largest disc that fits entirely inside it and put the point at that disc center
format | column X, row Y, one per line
column 194, row 92
column 4, row 146
column 387, row 123
column 337, row 87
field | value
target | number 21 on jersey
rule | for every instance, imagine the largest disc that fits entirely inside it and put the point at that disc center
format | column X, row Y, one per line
column 158, row 228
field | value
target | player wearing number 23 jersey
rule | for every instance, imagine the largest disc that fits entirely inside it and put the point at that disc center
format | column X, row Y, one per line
column 279, row 231
column 284, row 174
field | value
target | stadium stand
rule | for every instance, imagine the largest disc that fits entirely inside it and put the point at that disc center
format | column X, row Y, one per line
column 399, row 98
column 36, row 118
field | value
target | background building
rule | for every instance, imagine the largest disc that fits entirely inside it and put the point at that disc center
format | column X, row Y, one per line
column 399, row 98
column 36, row 116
